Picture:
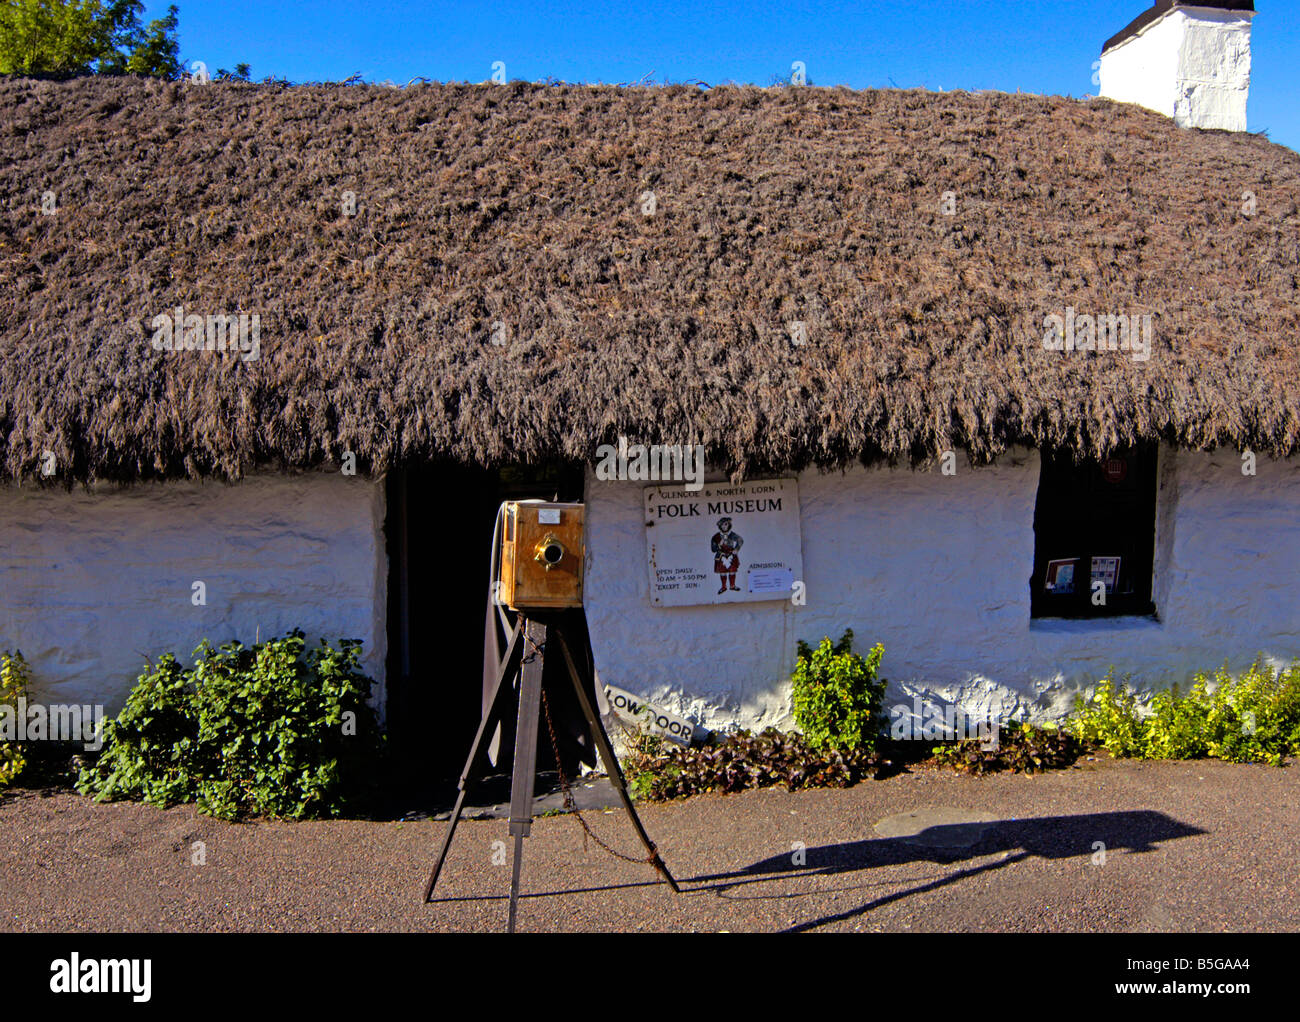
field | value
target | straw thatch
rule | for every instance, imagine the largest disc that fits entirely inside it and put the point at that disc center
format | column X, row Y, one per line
column 523, row 205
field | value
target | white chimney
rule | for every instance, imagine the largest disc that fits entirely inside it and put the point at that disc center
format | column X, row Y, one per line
column 1187, row 60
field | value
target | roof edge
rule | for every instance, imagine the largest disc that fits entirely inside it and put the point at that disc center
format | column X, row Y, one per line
column 1163, row 7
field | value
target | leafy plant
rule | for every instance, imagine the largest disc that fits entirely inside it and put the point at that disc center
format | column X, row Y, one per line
column 72, row 37
column 240, row 74
column 272, row 730
column 1021, row 748
column 1177, row 726
column 659, row 770
column 837, row 695
column 14, row 676
column 1110, row 719
column 155, row 51
column 1251, row 719
column 1254, row 718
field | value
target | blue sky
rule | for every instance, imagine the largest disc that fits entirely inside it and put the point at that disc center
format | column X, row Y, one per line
column 1046, row 46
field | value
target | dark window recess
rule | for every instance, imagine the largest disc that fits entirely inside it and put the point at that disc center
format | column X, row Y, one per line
column 1088, row 514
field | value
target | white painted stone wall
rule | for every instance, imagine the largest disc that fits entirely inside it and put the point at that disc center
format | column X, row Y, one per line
column 1144, row 69
column 92, row 582
column 937, row 568
column 1193, row 65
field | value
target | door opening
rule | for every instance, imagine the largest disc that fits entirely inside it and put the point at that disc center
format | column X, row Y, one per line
column 439, row 533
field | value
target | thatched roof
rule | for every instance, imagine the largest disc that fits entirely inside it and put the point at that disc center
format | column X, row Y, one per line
column 523, row 204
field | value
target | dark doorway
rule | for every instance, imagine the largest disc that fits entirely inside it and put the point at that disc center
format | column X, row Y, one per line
column 439, row 534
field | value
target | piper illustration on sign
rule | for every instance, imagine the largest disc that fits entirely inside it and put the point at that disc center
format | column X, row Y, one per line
column 694, row 536
column 726, row 555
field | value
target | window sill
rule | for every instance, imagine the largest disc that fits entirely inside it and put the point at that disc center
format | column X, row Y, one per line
column 1093, row 625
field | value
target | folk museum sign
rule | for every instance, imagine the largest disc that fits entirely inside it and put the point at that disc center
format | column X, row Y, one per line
column 725, row 543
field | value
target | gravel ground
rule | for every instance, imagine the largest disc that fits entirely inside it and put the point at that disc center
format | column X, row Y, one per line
column 1203, row 846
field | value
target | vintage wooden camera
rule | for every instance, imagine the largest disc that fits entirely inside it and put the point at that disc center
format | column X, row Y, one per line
column 542, row 556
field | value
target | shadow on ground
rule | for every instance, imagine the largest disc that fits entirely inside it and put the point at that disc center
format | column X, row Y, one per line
column 1048, row 837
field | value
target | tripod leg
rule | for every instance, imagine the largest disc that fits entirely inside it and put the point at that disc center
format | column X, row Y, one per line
column 515, row 868
column 611, row 761
column 509, row 665
column 525, row 773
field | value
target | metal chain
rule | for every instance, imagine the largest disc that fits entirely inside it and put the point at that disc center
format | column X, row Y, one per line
column 538, row 651
column 572, row 806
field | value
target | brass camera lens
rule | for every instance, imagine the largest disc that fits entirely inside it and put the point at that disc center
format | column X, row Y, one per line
column 550, row 551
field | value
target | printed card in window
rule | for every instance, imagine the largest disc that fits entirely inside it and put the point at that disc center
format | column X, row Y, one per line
column 1106, row 569
column 1060, row 576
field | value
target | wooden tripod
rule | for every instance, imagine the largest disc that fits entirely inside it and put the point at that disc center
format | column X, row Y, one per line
column 535, row 633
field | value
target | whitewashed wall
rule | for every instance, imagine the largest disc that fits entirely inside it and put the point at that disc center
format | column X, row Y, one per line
column 1191, row 65
column 1214, row 87
column 937, row 568
column 1144, row 69
column 92, row 582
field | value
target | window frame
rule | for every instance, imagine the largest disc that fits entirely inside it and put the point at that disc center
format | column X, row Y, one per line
column 1081, row 511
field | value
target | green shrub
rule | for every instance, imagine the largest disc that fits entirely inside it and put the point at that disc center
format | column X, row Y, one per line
column 658, row 770
column 268, row 730
column 837, row 696
column 14, row 675
column 1251, row 719
column 1255, row 718
column 1110, row 719
column 1177, row 725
